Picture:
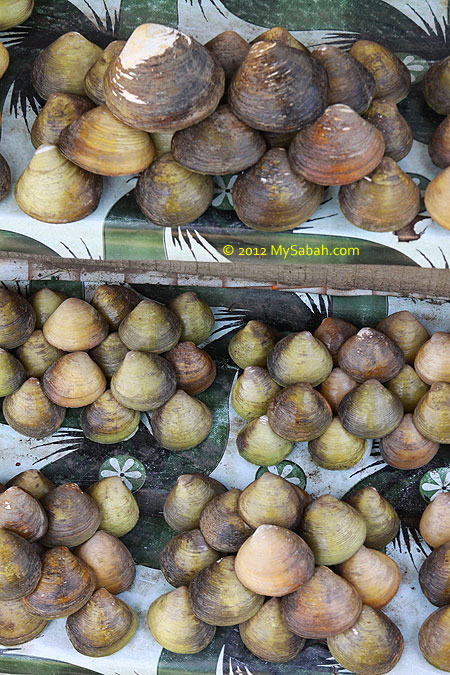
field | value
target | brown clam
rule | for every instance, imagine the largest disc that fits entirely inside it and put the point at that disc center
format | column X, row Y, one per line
column 194, row 368
column 73, row 516
column 299, row 357
column 66, row 584
column 336, row 449
column 436, row 86
column 333, row 332
column 398, row 137
column 434, row 576
column 73, row 381
column 196, row 317
column 4, row 58
column 270, row 500
column 384, row 201
column 433, row 638
column 439, row 145
column 279, row 139
column 17, row 625
column 335, row 387
column 324, row 605
column 36, row 354
column 5, row 178
column 32, row 481
column 109, row 354
column 30, row 412
column 21, row 513
column 107, row 421
column 229, row 49
column 218, row 145
column 280, row 34
column 251, row 345
column 370, row 354
column 222, row 524
column 143, row 381
column 17, row 319
column 184, row 556
column 44, row 303
column 436, row 198
column 260, row 445
column 370, row 410
column 434, row 524
column 12, row 373
column 299, row 413
column 62, row 66
column 20, row 566
column 187, row 499
column 408, row 387
column 118, row 508
column 350, row 82
column 252, row 392
column 432, row 362
column 150, row 327
column 373, row 574
column 15, row 12
column 59, row 111
column 93, row 81
column 181, row 423
column 432, row 413
column 406, row 448
column 278, row 88
column 338, row 148
column 392, row 77
column 381, row 519
column 155, row 59
column 114, row 303
column 274, row 561
column 271, row 197
column 407, row 331
column 124, row 150
column 110, row 560
column 75, row 326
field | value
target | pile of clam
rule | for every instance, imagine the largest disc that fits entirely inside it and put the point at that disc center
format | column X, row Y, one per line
column 261, row 558
column 288, row 120
column 61, row 556
column 58, row 353
column 340, row 386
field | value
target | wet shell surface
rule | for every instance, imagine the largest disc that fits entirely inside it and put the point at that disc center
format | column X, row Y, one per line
column 187, row 499
column 17, row 319
column 299, row 357
column 73, row 516
column 59, row 111
column 392, row 77
column 370, row 354
column 73, row 381
column 75, row 326
column 107, row 421
column 181, row 423
column 184, row 556
column 17, row 625
column 333, row 332
column 280, row 34
column 299, row 413
column 222, row 524
column 252, row 392
column 143, row 381
column 370, row 410
column 31, row 413
column 398, row 137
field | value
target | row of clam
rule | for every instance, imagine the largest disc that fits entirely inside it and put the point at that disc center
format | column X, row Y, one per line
column 61, row 556
column 65, row 351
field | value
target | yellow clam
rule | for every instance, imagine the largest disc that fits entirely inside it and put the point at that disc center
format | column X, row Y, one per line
column 375, row 576
column 432, row 362
column 36, row 354
column 299, row 413
column 33, row 481
column 251, row 345
column 222, row 524
column 17, row 319
column 432, row 413
column 260, row 445
column 436, row 86
column 187, row 499
column 162, row 142
column 118, row 508
column 280, row 34
column 14, row 12
column 114, row 303
column 336, row 449
column 143, row 381
column 109, row 354
column 73, row 381
column 299, row 357
column 107, row 421
column 196, row 317
column 150, row 327
column 434, row 524
column 75, row 326
column 436, row 198
column 44, row 303
column 181, row 423
column 4, row 59
column 17, row 625
column 12, row 373
column 408, row 387
column 380, row 517
column 184, row 556
column 93, row 81
column 370, row 410
column 20, row 566
column 252, row 392
column 59, row 111
column 433, row 638
column 392, row 77
column 270, row 500
column 31, row 413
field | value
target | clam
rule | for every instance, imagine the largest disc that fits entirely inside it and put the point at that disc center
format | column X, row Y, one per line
column 187, row 499
column 155, row 59
column 333, row 332
column 114, row 303
column 218, row 145
column 434, row 576
column 380, row 517
column 336, row 449
column 407, row 331
column 398, row 137
column 271, row 197
column 350, row 81
column 174, row 625
column 335, row 387
column 150, row 327
column 434, row 524
column 5, row 178
column 54, row 190
column 436, row 86
column 124, row 150
column 252, row 392
column 218, row 597
column 14, row 12
column 194, row 368
column 143, row 381
column 439, row 145
column 373, row 574
column 279, row 139
column 62, row 66
column 195, row 316
column 36, row 354
column 222, row 524
column 66, row 584
column 278, row 88
column 32, row 481
column 392, row 77
column 370, row 354
column 370, row 410
column 299, row 413
column 270, row 500
column 73, row 516
column 93, row 81
column 436, row 198
column 181, row 423
column 184, row 556
column 372, row 646
column 299, row 357
column 432, row 413
column 406, row 448
column 59, row 111
column 109, row 354
column 4, row 59
column 30, row 412
column 21, row 513
column 433, row 638
column 229, row 49
column 274, row 561
column 162, row 142
column 12, row 373
column 325, row 605
column 107, row 421
column 280, row 34
column 17, row 625
column 20, row 566
column 170, row 195
column 251, row 345
column 338, row 148
column 17, row 319
column 384, row 201
column 103, row 626
column 260, row 445
column 75, row 326
column 110, row 560
column 73, row 381
column 118, row 508
column 44, row 303
column 267, row 637
column 432, row 362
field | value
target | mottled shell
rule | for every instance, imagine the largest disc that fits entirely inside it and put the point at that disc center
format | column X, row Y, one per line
column 270, row 500
column 109, row 354
column 187, row 499
column 17, row 625
column 335, row 387
column 222, row 524
column 20, row 566
column 434, row 576
column 36, row 354
column 392, row 77
column 12, row 373
column 375, row 576
column 59, row 111
column 370, row 354
column 432, row 413
column 73, row 381
column 93, row 81
column 407, row 331
column 252, row 392
column 406, row 448
column 110, row 560
column 436, row 198
column 398, row 137
column 17, row 319
column 194, row 368
column 299, row 413
column 114, row 303
column 434, row 524
column 181, row 423
column 260, row 445
column 30, row 412
column 299, row 357
column 251, row 345
column 143, row 381
column 381, row 519
column 150, row 327
column 370, row 410
column 184, row 556
column 73, row 517
column 333, row 332
column 21, row 513
column 337, row 449
column 118, row 508
column 44, row 303
column 196, row 317
column 229, row 49
column 107, row 421
column 436, row 86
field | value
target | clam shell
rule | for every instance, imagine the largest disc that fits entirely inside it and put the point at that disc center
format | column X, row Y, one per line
column 439, row 145
column 229, row 49
column 21, row 513
column 30, row 412
column 432, row 413
column 17, row 319
column 196, row 317
column 59, row 111
column 222, row 524
column 184, row 556
column 44, row 303
column 32, row 481
column 337, row 449
column 17, row 625
column 398, row 137
column 20, row 566
column 118, row 507
column 280, row 34
column 107, row 421
column 260, row 445
column 15, row 12
column 270, row 500
column 12, row 373
column 373, row 574
column 392, row 77
column 408, row 387
column 114, row 303
column 73, row 516
column 299, row 413
column 143, row 381
column 333, row 332
column 36, row 354
column 433, row 638
column 5, row 178
column 109, row 354
column 406, row 448
column 93, row 81
column 436, row 198
column 251, row 345
column 110, row 560
column 181, row 423
column 279, row 139
column 370, row 410
column 335, row 387
column 380, row 517
column 370, row 354
column 436, row 86
column 434, row 576
column 194, row 368
column 75, row 326
column 299, row 357
column 432, row 362
column 407, row 331
column 252, row 392
column 155, row 59
column 73, row 381
column 187, row 499
column 338, row 148
column 434, row 524
column 99, row 142
column 150, row 327
column 271, row 197
column 162, row 142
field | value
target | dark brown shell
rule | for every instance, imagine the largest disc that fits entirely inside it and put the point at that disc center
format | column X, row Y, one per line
column 371, row 354
column 17, row 319
column 436, row 86
column 187, row 499
column 194, row 368
column 439, row 145
column 222, row 525
column 5, row 177
column 398, row 137
column 21, row 513
column 333, row 332
column 229, row 49
column 279, row 139
column 299, row 413
column 392, row 77
column 59, row 111
column 434, row 576
column 73, row 516
column 280, row 34
column 184, row 556
column 370, row 410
